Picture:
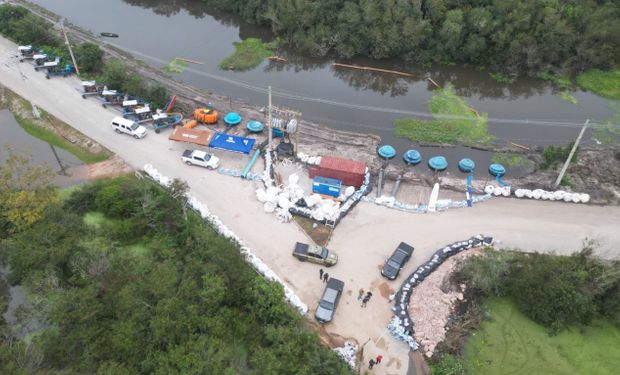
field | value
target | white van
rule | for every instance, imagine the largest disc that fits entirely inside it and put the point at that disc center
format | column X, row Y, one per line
column 122, row 125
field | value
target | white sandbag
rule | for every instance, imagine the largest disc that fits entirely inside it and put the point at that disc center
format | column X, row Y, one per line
column 576, row 197
column 497, row 191
column 519, row 193
column 537, row 194
column 545, row 195
column 269, row 207
column 349, row 191
column 585, row 198
column 568, row 197
column 506, row 191
column 261, row 195
column 284, row 203
column 293, row 179
column 528, row 193
column 489, row 189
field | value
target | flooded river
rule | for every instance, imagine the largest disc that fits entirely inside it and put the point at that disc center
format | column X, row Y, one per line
column 527, row 111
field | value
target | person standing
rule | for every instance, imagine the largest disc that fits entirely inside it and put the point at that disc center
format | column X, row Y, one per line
column 320, row 274
column 325, row 277
column 371, row 363
column 361, row 293
column 378, row 359
column 365, row 301
column 369, row 295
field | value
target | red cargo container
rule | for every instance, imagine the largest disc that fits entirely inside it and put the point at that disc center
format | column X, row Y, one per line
column 350, row 172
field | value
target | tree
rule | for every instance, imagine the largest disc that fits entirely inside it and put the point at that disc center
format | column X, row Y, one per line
column 89, row 57
column 25, row 191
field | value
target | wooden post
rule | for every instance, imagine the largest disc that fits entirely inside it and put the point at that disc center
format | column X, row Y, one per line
column 269, row 119
column 572, row 152
column 62, row 27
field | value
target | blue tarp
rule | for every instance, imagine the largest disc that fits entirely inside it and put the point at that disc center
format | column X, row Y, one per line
column 232, row 143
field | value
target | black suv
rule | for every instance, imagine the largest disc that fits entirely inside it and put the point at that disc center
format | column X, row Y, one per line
column 401, row 255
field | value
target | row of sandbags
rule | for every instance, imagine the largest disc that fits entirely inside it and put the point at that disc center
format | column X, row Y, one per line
column 312, row 160
column 442, row 204
column 347, row 353
column 401, row 325
column 222, row 229
column 557, row 195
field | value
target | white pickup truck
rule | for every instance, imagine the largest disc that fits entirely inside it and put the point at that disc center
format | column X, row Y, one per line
column 201, row 158
column 121, row 125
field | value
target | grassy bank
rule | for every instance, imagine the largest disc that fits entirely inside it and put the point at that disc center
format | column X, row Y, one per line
column 602, row 83
column 454, row 122
column 512, row 343
column 52, row 138
column 249, row 53
column 47, row 128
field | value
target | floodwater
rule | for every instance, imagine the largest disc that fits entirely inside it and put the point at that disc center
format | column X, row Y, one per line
column 526, row 112
column 59, row 160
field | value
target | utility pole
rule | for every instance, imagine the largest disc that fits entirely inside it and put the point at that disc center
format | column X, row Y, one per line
column 572, row 152
column 62, row 27
column 269, row 119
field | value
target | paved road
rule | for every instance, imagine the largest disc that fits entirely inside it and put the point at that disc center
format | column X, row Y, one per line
column 362, row 240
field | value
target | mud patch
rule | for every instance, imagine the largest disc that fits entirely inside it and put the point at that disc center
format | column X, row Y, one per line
column 385, row 290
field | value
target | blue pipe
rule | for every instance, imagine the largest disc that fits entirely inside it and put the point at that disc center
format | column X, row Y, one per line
column 247, row 168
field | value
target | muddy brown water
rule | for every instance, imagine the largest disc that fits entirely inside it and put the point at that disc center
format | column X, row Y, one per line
column 59, row 160
column 527, row 111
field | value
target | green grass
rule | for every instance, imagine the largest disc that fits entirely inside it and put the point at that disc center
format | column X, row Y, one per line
column 454, row 122
column 602, row 83
column 96, row 219
column 510, row 343
column 175, row 66
column 560, row 81
column 249, row 53
column 65, row 193
column 510, row 160
column 501, row 78
column 567, row 96
column 47, row 136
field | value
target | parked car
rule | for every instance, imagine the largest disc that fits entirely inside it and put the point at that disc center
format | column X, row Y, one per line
column 315, row 254
column 399, row 257
column 328, row 303
column 122, row 125
column 201, row 158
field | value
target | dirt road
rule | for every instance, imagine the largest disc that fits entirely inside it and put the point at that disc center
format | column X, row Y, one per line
column 363, row 239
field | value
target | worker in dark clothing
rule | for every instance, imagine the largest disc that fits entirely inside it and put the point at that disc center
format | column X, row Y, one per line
column 320, row 274
column 365, row 301
column 371, row 363
column 325, row 277
column 368, row 295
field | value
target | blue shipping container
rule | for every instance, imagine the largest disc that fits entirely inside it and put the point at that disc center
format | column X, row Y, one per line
column 327, row 186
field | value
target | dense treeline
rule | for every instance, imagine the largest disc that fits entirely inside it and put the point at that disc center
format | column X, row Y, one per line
column 518, row 36
column 558, row 292
column 125, row 281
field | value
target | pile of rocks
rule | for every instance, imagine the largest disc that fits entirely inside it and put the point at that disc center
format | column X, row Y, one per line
column 401, row 325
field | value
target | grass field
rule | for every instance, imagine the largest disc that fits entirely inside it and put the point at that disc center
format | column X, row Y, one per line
column 454, row 122
column 602, row 83
column 511, row 344
column 249, row 53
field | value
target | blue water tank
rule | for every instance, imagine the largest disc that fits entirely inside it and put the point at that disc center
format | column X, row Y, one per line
column 386, row 152
column 467, row 165
column 497, row 170
column 255, row 126
column 438, row 163
column 327, row 186
column 232, row 118
column 412, row 157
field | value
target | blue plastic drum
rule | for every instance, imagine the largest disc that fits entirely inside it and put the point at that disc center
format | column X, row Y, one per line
column 438, row 163
column 412, row 157
column 467, row 165
column 386, row 152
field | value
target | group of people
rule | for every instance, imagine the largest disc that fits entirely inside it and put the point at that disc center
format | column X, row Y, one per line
column 365, row 298
column 323, row 275
column 374, row 361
